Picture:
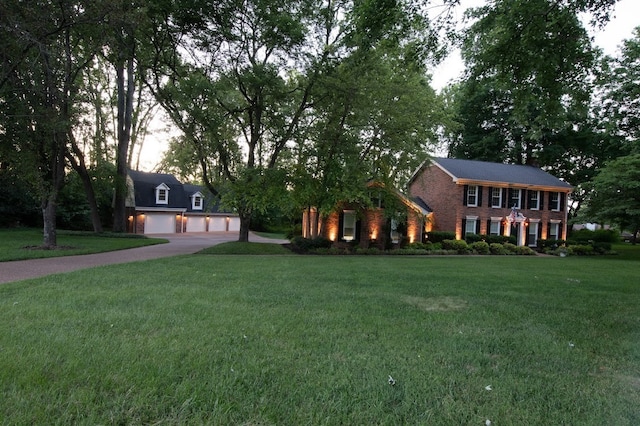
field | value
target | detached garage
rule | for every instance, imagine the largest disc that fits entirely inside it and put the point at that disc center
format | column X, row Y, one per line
column 158, row 203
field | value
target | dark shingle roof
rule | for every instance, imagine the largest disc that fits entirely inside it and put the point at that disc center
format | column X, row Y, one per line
column 485, row 171
column 420, row 202
column 145, row 184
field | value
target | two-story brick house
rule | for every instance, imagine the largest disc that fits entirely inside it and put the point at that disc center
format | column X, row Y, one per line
column 478, row 197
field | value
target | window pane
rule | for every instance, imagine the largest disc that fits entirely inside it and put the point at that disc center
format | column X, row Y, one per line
column 494, row 229
column 496, row 197
column 472, row 195
column 470, row 228
column 534, row 200
column 349, row 226
column 515, row 198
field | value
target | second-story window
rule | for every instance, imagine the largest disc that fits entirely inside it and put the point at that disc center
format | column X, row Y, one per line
column 472, row 196
column 496, row 197
column 514, row 198
column 554, row 201
column 534, row 200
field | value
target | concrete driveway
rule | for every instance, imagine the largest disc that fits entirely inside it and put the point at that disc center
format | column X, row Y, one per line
column 186, row 243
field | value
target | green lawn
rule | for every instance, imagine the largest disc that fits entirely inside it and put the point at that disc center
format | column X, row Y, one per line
column 20, row 244
column 290, row 340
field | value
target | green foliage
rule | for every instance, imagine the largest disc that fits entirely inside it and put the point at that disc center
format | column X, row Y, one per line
column 580, row 250
column 497, row 249
column 599, row 235
column 621, row 81
column 305, row 245
column 480, row 247
column 616, row 194
column 440, row 236
column 525, row 97
column 460, row 246
column 18, row 207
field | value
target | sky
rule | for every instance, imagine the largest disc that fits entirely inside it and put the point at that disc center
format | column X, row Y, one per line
column 625, row 17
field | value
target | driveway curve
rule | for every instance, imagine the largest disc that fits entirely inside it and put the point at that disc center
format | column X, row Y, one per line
column 187, row 243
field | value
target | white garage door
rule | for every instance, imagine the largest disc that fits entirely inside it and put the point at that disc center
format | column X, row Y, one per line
column 196, row 224
column 159, row 223
column 217, row 224
column 234, row 224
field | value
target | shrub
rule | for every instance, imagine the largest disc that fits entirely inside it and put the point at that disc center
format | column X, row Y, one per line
column 305, row 245
column 497, row 248
column 524, row 251
column 500, row 239
column 601, row 247
column 580, row 250
column 481, row 247
column 440, row 236
column 474, row 238
column 334, row 251
column 601, row 236
column 510, row 248
column 460, row 246
column 409, row 252
column 543, row 245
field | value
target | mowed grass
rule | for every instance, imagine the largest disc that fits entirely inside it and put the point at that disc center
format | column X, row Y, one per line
column 291, row 340
column 20, row 244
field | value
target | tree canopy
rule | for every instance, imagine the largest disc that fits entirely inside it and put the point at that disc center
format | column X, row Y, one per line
column 615, row 196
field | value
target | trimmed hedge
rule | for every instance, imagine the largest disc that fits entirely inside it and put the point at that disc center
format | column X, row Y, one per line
column 440, row 236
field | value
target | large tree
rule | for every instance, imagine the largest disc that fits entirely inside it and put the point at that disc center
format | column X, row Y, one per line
column 243, row 94
column 42, row 61
column 620, row 83
column 528, row 68
column 615, row 196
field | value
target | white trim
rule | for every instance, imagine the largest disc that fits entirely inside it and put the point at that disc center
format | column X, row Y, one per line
column 558, row 193
column 495, row 220
column 510, row 198
column 159, row 189
column 476, row 195
column 352, row 215
column 160, row 209
column 470, row 219
column 499, row 189
column 538, row 199
column 197, row 196
column 533, row 223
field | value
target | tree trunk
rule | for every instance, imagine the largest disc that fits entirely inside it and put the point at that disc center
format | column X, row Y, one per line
column 80, row 167
column 245, row 221
column 50, row 235
column 125, row 106
column 91, row 199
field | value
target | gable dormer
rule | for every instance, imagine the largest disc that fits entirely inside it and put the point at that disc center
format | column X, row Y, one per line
column 197, row 201
column 162, row 194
